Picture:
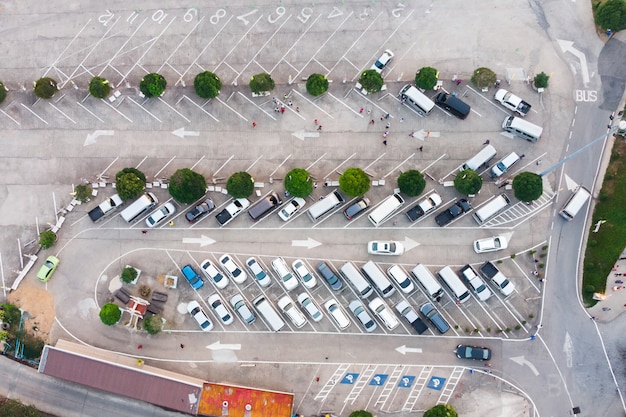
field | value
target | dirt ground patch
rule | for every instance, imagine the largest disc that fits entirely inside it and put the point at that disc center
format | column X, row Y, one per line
column 38, row 305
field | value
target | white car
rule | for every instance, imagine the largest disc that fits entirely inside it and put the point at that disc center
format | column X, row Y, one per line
column 289, row 308
column 160, row 214
column 303, row 272
column 291, row 208
column 284, row 274
column 490, row 244
column 382, row 62
column 242, row 308
column 476, row 283
column 335, row 311
column 384, row 313
column 401, row 278
column 232, row 269
column 220, row 309
column 213, row 274
column 310, row 307
column 259, row 273
column 385, row 247
column 199, row 315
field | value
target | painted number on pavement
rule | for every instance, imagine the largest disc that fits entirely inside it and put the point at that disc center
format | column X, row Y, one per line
column 436, row 383
column 349, row 379
column 406, row 381
column 378, row 379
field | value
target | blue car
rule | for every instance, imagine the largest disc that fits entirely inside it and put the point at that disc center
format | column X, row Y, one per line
column 193, row 278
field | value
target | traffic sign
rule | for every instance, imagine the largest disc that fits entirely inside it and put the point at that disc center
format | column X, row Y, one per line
column 378, row 379
column 436, row 383
column 349, row 379
column 406, row 381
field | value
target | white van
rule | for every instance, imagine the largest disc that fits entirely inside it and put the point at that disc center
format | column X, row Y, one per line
column 325, row 206
column 428, row 282
column 385, row 210
column 139, row 207
column 376, row 277
column 492, row 208
column 416, row 99
column 270, row 315
column 481, row 158
column 575, row 203
column 354, row 278
column 454, row 284
column 504, row 164
column 522, row 128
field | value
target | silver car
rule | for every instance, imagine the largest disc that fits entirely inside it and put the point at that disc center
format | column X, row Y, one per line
column 359, row 311
column 240, row 306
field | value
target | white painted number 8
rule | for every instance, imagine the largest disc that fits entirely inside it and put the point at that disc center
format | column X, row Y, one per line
column 217, row 16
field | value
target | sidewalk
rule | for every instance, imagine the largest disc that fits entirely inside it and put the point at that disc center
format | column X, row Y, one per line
column 615, row 302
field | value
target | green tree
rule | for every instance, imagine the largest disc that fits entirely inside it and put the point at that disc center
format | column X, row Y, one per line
column 153, row 324
column 411, row 182
column 483, row 77
column 354, row 182
column 611, row 15
column 240, row 185
column 186, row 186
column 14, row 408
column 541, row 80
column 261, row 82
column 152, row 85
column 3, row 92
column 360, row 413
column 316, row 84
column 527, row 186
column 426, row 78
column 135, row 171
column 298, row 182
column 83, row 192
column 207, row 84
column 441, row 410
column 371, row 81
column 110, row 314
column 99, row 87
column 47, row 238
column 45, row 87
column 129, row 186
column 468, row 182
column 128, row 275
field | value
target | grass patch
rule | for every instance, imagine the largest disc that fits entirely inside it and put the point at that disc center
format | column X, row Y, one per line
column 605, row 247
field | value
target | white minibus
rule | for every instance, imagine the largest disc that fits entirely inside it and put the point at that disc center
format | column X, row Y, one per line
column 354, row 278
column 522, row 128
column 376, row 277
column 454, row 284
column 414, row 97
column 265, row 309
column 385, row 210
column 428, row 282
column 481, row 158
column 575, row 203
column 139, row 207
column 325, row 206
column 492, row 208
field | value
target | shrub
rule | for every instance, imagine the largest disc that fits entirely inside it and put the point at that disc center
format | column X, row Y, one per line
column 611, row 15
column 3, row 92
column 527, row 186
column 207, row 84
column 426, row 78
column 441, row 410
column 411, row 183
column 14, row 408
column 316, row 84
column 186, row 186
column 589, row 289
column 371, row 81
column 513, row 255
column 483, row 77
column 99, row 87
column 83, row 192
column 298, row 182
column 128, row 275
column 153, row 324
column 129, row 186
column 261, row 82
column 47, row 238
column 110, row 314
column 541, row 80
column 468, row 182
column 354, row 182
column 240, row 185
column 135, row 171
column 152, row 85
column 360, row 413
column 45, row 87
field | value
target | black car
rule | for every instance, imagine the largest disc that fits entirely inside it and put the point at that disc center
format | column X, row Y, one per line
column 357, row 208
column 200, row 210
column 473, row 352
column 452, row 212
column 431, row 313
column 330, row 277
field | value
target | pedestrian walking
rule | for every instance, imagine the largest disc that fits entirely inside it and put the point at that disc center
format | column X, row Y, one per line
column 458, row 82
column 282, row 110
column 486, row 142
column 385, row 133
column 315, row 121
column 289, row 103
column 369, row 111
column 144, row 232
column 421, row 148
column 372, row 121
column 139, row 346
column 297, row 109
column 387, row 116
column 315, row 184
column 402, row 120
column 388, row 125
column 412, row 134
column 385, row 142
column 275, row 100
column 361, row 110
column 539, row 161
column 277, row 109
column 319, row 127
column 286, row 96
column 182, row 346
column 253, row 124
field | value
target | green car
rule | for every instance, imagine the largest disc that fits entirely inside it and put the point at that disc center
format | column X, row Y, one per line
column 48, row 268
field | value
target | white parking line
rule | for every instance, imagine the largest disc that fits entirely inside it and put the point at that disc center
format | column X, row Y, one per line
column 345, row 161
column 293, row 45
column 315, row 162
column 60, row 111
column 223, row 165
column 90, row 112
column 313, row 104
column 35, row 114
column 108, row 63
column 253, row 103
column 201, row 108
column 66, row 48
column 177, row 47
column 117, row 111
column 173, row 109
column 144, row 109
column 235, row 111
column 16, row 122
column 164, row 166
column 397, row 167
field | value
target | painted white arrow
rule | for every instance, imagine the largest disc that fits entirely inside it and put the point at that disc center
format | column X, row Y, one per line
column 181, row 133
column 423, row 134
column 202, row 240
column 219, row 346
column 404, row 350
column 570, row 183
column 309, row 243
column 568, row 348
column 409, row 244
column 520, row 360
column 568, row 46
column 91, row 138
column 304, row 134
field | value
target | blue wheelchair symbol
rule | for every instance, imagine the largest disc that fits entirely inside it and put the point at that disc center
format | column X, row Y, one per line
column 406, row 381
column 349, row 379
column 436, row 383
column 378, row 379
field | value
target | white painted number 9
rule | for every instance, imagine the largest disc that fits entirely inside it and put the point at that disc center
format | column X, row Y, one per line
column 217, row 16
column 280, row 11
column 191, row 13
column 396, row 12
